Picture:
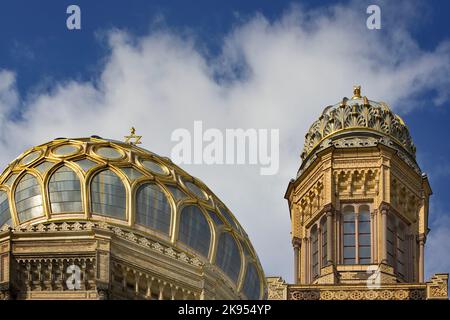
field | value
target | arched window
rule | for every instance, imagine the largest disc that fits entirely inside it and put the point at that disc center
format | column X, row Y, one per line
column 28, row 198
column 5, row 214
column 65, row 191
column 108, row 195
column 194, row 229
column 323, row 234
column 364, row 252
column 228, row 256
column 152, row 208
column 252, row 284
column 349, row 235
column 315, row 251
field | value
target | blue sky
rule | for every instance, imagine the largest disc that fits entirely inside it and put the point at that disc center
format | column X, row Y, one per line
column 48, row 64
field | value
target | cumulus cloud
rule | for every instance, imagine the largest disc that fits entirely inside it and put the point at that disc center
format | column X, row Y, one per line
column 269, row 74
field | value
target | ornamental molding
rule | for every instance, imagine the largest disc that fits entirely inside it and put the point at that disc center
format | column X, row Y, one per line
column 117, row 231
column 357, row 294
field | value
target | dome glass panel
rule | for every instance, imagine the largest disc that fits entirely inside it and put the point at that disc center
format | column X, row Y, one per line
column 108, row 195
column 227, row 216
column 176, row 192
column 215, row 217
column 28, row 198
column 30, row 157
column 5, row 214
column 65, row 191
column 228, row 256
column 154, row 167
column 86, row 164
column 65, row 150
column 194, row 230
column 152, row 208
column 109, row 153
column 195, row 190
column 131, row 173
column 44, row 166
column 252, row 284
column 11, row 179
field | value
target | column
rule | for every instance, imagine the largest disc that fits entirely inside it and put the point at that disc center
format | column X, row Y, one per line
column 330, row 238
column 421, row 240
column 296, row 243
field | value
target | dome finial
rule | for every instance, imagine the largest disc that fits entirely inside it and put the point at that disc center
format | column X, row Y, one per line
column 356, row 92
column 133, row 135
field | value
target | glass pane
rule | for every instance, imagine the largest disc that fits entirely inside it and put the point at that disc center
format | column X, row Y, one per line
column 215, row 217
column 364, row 252
column 176, row 192
column 131, row 173
column 228, row 256
column 44, row 166
column 349, row 217
column 364, row 240
column 195, row 190
column 349, row 261
column 108, row 195
column 349, row 227
column 364, row 261
column 86, row 164
column 152, row 208
column 28, row 198
column 30, row 157
column 252, row 284
column 365, row 216
column 349, row 252
column 5, row 214
column 65, row 150
column 364, row 227
column 154, row 167
column 227, row 216
column 194, row 230
column 349, row 240
column 11, row 179
column 108, row 153
column 65, row 191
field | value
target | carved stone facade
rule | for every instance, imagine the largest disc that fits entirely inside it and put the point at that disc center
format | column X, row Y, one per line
column 42, row 262
column 359, row 210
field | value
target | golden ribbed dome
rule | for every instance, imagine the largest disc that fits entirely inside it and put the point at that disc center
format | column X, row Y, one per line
column 95, row 180
column 358, row 122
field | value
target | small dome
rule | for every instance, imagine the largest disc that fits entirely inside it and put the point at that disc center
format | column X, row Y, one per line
column 357, row 122
column 99, row 180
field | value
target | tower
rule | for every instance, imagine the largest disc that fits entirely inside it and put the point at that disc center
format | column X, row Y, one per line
column 359, row 209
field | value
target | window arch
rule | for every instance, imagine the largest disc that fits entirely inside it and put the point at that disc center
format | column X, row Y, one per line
column 65, row 191
column 108, row 195
column 252, row 283
column 5, row 213
column 28, row 198
column 152, row 208
column 194, row 229
column 228, row 256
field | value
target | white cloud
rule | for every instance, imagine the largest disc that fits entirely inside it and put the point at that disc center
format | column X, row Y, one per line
column 289, row 70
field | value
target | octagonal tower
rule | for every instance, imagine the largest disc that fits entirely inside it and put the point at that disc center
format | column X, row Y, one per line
column 359, row 208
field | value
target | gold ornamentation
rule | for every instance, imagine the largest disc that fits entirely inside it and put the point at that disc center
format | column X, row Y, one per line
column 133, row 136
